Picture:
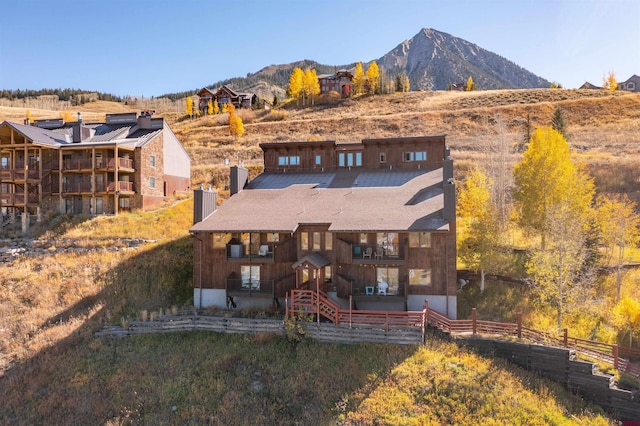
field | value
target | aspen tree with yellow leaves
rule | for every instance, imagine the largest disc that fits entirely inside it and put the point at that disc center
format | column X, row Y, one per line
column 358, row 79
column 470, row 86
column 547, row 176
column 619, row 229
column 553, row 199
column 188, row 109
column 236, row 127
column 478, row 242
column 609, row 81
column 310, row 85
column 296, row 83
column 373, row 75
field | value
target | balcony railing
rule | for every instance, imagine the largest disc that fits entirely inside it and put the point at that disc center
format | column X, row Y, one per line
column 362, row 253
column 77, row 187
column 77, row 164
column 18, row 199
column 263, row 253
column 12, row 174
column 125, row 163
column 250, row 287
column 126, row 186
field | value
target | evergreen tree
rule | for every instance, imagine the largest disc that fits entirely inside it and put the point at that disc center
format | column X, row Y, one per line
column 526, row 134
column 558, row 122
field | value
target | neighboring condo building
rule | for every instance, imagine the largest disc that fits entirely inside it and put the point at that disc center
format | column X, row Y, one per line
column 128, row 162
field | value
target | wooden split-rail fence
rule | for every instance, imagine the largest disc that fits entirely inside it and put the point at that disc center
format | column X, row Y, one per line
column 318, row 303
column 401, row 327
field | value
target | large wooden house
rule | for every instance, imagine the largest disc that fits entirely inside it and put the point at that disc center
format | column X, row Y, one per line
column 128, row 162
column 225, row 95
column 340, row 81
column 370, row 224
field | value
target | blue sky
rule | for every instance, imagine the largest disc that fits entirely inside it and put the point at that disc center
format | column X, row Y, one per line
column 148, row 48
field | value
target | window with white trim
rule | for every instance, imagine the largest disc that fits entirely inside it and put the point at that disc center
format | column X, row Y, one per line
column 350, row 159
column 289, row 160
column 152, row 182
column 152, row 160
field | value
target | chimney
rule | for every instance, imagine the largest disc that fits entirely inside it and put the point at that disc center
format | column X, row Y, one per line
column 204, row 203
column 80, row 132
column 239, row 176
column 449, row 213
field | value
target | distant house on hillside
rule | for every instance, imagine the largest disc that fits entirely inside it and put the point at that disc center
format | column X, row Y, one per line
column 225, row 95
column 588, row 85
column 341, row 81
column 51, row 166
column 369, row 225
column 457, row 86
column 631, row 85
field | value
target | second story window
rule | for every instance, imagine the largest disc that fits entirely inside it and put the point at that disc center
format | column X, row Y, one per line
column 152, row 160
column 350, row 159
column 415, row 156
column 419, row 239
column 304, row 241
column 328, row 241
column 290, row 160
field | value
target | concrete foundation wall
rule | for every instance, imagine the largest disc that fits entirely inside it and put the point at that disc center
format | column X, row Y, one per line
column 415, row 302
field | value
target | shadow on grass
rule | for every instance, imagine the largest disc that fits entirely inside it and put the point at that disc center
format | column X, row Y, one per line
column 187, row 377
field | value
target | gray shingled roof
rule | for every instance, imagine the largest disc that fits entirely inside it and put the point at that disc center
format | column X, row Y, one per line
column 377, row 200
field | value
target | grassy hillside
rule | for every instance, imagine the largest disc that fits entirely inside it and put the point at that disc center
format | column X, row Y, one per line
column 54, row 371
column 209, row 378
column 87, row 274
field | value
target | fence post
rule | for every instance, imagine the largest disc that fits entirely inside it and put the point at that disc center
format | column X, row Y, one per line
column 473, row 320
column 350, row 308
column 615, row 356
column 386, row 321
column 426, row 308
column 565, row 339
column 286, row 306
column 519, row 325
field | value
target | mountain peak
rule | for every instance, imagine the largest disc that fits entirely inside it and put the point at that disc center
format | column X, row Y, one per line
column 434, row 60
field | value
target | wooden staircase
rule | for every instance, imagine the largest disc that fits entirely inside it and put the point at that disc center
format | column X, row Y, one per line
column 319, row 304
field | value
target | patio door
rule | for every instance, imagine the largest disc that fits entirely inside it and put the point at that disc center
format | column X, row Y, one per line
column 389, row 242
column 250, row 275
column 391, row 277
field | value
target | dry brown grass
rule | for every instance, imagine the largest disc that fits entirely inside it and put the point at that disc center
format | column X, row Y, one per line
column 601, row 124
